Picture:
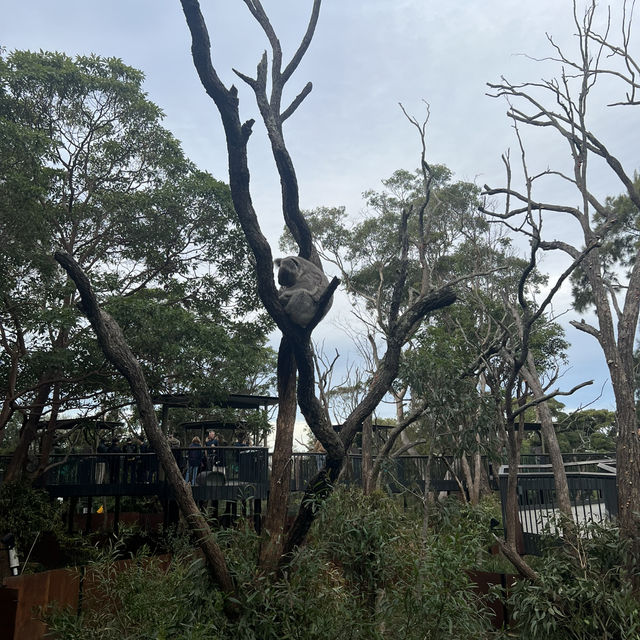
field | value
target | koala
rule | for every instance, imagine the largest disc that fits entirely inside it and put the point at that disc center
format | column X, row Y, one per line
column 302, row 284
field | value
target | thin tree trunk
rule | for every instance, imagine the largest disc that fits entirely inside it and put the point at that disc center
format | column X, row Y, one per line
column 425, row 497
column 512, row 525
column 530, row 374
column 16, row 466
column 368, row 481
column 477, row 475
column 468, row 476
column 46, row 442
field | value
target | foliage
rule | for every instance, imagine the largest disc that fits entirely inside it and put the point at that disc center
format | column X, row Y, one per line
column 584, row 593
column 366, row 251
column 459, row 418
column 619, row 249
column 470, row 524
column 26, row 512
column 585, row 431
column 588, row 430
column 88, row 168
column 364, row 574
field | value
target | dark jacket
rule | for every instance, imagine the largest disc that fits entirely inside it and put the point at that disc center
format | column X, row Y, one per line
column 195, row 454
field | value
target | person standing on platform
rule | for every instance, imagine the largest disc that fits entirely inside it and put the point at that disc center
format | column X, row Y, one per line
column 174, row 443
column 196, row 455
column 101, row 464
column 114, row 462
column 211, row 443
column 130, row 461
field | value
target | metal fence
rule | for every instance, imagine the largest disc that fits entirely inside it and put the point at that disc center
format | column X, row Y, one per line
column 397, row 475
column 594, row 498
column 225, row 473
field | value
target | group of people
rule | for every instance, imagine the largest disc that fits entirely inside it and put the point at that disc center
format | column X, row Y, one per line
column 137, row 466
column 209, row 457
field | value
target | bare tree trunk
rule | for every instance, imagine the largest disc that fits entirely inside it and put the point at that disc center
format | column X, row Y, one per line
column 530, row 374
column 468, row 477
column 476, row 491
column 16, row 466
column 279, row 486
column 116, row 350
column 368, row 481
column 512, row 525
column 425, row 497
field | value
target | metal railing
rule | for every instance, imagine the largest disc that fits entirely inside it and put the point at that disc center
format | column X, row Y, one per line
column 543, row 458
column 135, row 473
column 405, row 473
column 138, row 473
column 593, row 495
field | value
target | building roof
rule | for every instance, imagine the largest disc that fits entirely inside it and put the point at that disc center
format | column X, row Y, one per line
column 72, row 423
column 232, row 401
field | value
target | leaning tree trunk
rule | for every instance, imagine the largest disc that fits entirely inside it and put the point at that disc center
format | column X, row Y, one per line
column 530, row 374
column 116, row 350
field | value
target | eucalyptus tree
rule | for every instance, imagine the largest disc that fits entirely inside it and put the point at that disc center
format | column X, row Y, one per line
column 88, row 168
column 600, row 77
column 297, row 339
column 449, row 241
column 444, row 217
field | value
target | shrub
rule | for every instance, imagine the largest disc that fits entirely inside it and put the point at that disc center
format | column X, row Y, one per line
column 27, row 513
column 364, row 575
column 142, row 599
column 584, row 593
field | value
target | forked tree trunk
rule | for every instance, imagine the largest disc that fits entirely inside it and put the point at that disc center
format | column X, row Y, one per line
column 402, row 326
column 17, row 464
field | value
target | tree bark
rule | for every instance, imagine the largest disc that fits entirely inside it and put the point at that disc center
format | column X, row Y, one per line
column 530, row 374
column 17, row 464
column 368, row 480
column 279, row 487
column 116, row 350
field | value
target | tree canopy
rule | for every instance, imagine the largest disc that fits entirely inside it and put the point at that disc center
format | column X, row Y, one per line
column 89, row 169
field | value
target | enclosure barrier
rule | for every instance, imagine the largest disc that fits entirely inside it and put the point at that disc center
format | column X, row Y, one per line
column 593, row 494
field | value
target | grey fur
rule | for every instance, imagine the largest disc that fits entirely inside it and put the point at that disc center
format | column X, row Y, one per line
column 302, row 285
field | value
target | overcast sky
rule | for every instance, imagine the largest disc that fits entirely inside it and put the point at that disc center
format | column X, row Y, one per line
column 367, row 56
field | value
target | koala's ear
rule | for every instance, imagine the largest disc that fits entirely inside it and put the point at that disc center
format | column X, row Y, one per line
column 277, row 262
